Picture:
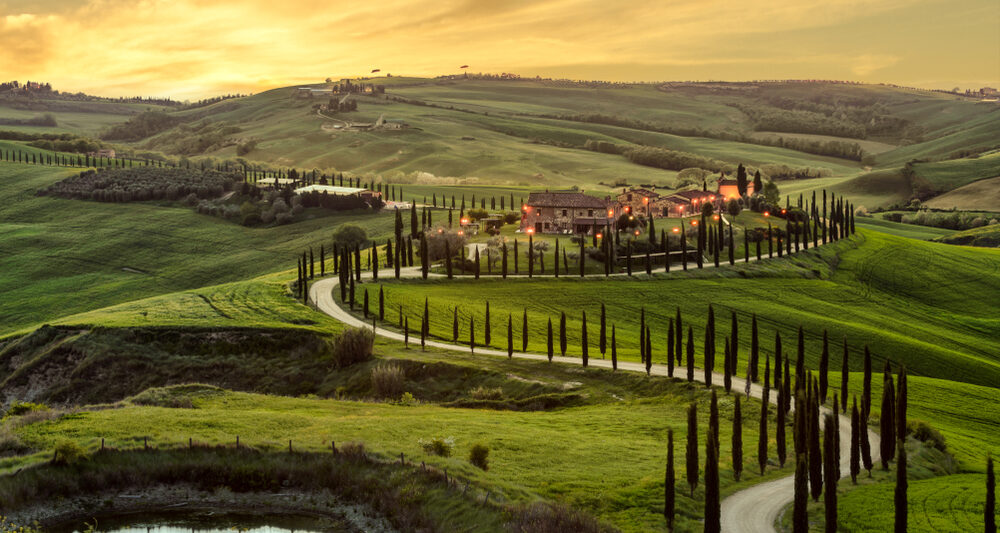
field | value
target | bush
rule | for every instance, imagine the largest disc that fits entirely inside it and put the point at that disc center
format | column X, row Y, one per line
column 23, row 408
column 923, row 432
column 387, row 381
column 479, row 456
column 68, row 452
column 552, row 518
column 483, row 393
column 350, row 235
column 353, row 345
column 10, row 443
column 438, row 446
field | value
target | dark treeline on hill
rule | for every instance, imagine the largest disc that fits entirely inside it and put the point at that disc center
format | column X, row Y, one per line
column 806, row 116
column 45, row 120
column 841, row 149
column 143, row 183
column 141, row 126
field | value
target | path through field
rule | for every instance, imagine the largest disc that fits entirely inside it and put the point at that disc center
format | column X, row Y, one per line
column 751, row 510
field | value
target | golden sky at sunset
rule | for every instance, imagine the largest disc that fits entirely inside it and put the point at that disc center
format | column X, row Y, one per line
column 196, row 48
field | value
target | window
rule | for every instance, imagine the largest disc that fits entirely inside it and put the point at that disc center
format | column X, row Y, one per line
column 546, row 225
column 628, row 198
column 564, row 212
column 590, row 212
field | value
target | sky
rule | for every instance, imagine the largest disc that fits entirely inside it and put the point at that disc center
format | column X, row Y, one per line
column 190, row 49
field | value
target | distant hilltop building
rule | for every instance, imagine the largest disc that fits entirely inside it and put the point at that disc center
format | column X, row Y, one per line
column 103, row 152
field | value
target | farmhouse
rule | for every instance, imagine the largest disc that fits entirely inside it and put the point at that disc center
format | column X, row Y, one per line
column 103, row 152
column 637, row 200
column 566, row 212
column 691, row 201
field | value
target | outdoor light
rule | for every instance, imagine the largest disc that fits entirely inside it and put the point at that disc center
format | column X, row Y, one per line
column 611, row 213
column 767, row 213
column 645, row 200
column 694, row 222
column 460, row 232
column 677, row 230
column 465, row 221
column 637, row 232
column 531, row 230
column 715, row 217
column 782, row 211
column 599, row 236
column 630, row 217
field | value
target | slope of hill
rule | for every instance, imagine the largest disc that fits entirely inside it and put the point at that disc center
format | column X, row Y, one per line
column 982, row 195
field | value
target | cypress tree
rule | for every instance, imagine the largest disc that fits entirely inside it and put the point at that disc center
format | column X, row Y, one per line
column 754, row 349
column 690, row 354
column 713, row 418
column 779, row 427
column 584, row 354
column 531, row 255
column 901, row 486
column 679, row 337
column 800, row 361
column 844, row 373
column 762, row 434
column 831, row 458
column 381, row 304
column 583, row 258
column 709, row 346
column 684, row 248
column 628, row 257
column 989, row 509
column 815, row 452
column 454, row 324
column 669, row 497
column 787, row 384
column 472, row 333
column 670, row 348
column 374, row 261
column 614, row 349
column 503, row 261
column 447, row 259
column 855, row 442
column 406, row 333
column 487, row 334
column 732, row 252
column 524, row 330
column 692, row 447
column 555, row 258
column 737, row 440
column 727, row 364
column 476, row 271
column 425, row 260
column 549, row 341
column 713, row 510
column 887, row 421
column 866, row 388
column 365, row 303
column 516, row 269
column 800, row 517
column 562, row 334
column 603, row 341
column 510, row 337
column 642, row 335
column 649, row 352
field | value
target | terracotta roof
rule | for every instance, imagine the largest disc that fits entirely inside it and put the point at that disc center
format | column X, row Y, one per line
column 641, row 192
column 565, row 199
column 691, row 195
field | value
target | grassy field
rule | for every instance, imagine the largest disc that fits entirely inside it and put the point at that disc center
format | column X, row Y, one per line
column 66, row 256
column 612, row 467
column 988, row 236
column 946, row 504
column 886, row 292
column 982, row 195
column 899, row 229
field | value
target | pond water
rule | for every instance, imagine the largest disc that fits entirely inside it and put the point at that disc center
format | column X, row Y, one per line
column 206, row 521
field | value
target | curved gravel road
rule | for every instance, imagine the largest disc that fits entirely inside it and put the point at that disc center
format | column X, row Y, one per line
column 752, row 510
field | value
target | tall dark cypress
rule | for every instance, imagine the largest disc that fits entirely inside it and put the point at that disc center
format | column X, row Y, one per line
column 901, row 403
column 381, row 303
column 762, row 434
column 364, row 303
column 562, row 334
column 800, row 361
column 824, row 369
column 902, row 484
column 780, row 419
column 583, row 258
column 844, row 377
column 476, row 268
column 800, row 516
column 425, row 260
column 649, row 352
column 678, row 337
column 990, row 507
column 584, row 353
column 549, row 341
column 503, row 261
column 425, row 324
column 727, row 364
column 855, row 442
column 510, row 336
column 887, row 420
column 487, row 334
column 669, row 482
column 692, row 447
column 454, row 324
column 690, row 354
column 754, row 362
column 737, row 439
column 734, row 343
column 670, row 348
column 831, row 458
column 642, row 335
column 866, row 388
column 709, row 346
column 713, row 418
column 614, row 349
column 524, row 330
column 713, row 511
column 447, row 259
column 472, row 333
column 555, row 259
column 815, row 451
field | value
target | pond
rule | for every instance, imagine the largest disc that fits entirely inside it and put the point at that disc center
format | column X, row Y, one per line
column 207, row 521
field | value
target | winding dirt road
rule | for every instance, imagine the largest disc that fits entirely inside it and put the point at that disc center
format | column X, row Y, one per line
column 752, row 510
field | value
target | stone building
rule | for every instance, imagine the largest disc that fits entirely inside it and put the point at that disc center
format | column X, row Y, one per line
column 566, row 212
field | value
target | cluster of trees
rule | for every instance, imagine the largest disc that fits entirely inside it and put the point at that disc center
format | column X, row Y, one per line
column 339, row 105
column 340, row 202
column 145, row 124
column 142, row 183
column 950, row 220
column 46, row 120
column 770, row 118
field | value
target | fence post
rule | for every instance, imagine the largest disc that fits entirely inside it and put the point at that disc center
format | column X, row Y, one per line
column 402, row 461
column 333, row 445
column 102, row 444
column 289, row 445
column 190, row 443
column 237, row 442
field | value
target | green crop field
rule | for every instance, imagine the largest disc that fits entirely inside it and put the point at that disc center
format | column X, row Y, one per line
column 912, row 231
column 949, row 503
column 982, row 195
column 891, row 311
column 65, row 256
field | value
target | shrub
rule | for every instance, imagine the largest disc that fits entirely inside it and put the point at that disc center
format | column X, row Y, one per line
column 353, row 345
column 387, row 381
column 923, row 432
column 484, row 393
column 479, row 456
column 68, row 452
column 552, row 518
column 23, row 408
column 438, row 446
column 10, row 443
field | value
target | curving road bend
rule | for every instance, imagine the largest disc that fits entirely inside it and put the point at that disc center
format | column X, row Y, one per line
column 752, row 510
